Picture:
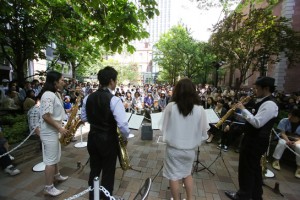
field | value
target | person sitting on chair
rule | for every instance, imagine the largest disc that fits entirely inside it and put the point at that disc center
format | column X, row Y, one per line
column 220, row 111
column 6, row 161
column 290, row 135
column 148, row 104
column 231, row 132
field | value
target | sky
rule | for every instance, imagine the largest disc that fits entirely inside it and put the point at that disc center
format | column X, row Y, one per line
column 198, row 20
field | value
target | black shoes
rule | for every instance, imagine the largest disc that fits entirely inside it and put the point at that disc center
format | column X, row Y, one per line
column 232, row 195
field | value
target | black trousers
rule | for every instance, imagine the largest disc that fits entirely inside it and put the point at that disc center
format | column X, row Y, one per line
column 250, row 170
column 235, row 131
column 103, row 150
column 5, row 160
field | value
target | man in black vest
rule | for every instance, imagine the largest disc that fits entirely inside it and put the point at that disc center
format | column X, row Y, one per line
column 255, row 142
column 105, row 112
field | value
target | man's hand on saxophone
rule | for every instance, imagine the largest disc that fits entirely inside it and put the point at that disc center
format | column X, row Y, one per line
column 240, row 106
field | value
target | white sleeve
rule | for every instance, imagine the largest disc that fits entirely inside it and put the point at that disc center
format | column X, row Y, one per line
column 118, row 110
column 265, row 113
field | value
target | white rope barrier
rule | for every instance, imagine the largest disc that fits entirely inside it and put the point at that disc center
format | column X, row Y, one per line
column 18, row 144
column 287, row 146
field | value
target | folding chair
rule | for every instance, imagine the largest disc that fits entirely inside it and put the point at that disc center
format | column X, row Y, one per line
column 144, row 190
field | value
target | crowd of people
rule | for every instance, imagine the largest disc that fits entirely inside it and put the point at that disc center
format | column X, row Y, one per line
column 49, row 103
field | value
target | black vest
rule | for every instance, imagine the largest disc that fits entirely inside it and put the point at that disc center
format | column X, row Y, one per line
column 264, row 131
column 99, row 114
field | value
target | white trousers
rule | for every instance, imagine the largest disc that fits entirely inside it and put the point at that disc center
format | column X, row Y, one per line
column 280, row 149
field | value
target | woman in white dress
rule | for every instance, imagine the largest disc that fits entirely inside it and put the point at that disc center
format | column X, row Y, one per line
column 52, row 113
column 184, row 127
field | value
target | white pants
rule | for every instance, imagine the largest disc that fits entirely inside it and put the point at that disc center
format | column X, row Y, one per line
column 280, row 149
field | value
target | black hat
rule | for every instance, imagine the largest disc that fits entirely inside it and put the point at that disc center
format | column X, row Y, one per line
column 265, row 81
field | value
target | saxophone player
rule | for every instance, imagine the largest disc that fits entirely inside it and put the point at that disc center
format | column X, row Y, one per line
column 105, row 112
column 255, row 142
column 51, row 114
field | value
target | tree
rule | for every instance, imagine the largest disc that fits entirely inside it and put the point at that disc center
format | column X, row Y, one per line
column 126, row 73
column 180, row 55
column 27, row 27
column 243, row 40
column 98, row 25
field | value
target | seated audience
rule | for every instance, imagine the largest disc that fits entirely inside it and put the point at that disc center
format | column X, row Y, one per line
column 290, row 136
column 29, row 101
column 128, row 102
column 162, row 102
column 137, row 103
column 220, row 111
column 33, row 116
column 6, row 161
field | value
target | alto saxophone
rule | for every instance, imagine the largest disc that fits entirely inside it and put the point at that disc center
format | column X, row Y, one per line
column 72, row 125
column 123, row 155
column 228, row 114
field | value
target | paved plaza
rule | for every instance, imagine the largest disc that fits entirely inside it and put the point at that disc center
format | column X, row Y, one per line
column 146, row 156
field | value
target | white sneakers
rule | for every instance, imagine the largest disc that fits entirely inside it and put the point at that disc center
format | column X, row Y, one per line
column 59, row 177
column 11, row 170
column 52, row 191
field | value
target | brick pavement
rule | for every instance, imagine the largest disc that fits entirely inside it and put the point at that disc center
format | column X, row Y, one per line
column 146, row 156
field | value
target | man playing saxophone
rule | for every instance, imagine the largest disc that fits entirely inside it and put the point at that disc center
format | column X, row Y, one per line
column 105, row 112
column 255, row 142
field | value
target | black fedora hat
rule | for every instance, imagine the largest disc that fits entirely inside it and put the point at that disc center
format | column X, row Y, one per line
column 265, row 81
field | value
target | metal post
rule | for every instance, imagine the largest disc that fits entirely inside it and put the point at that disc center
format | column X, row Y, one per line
column 96, row 188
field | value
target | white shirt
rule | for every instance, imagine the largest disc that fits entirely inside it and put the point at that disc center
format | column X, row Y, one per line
column 118, row 110
column 184, row 132
column 267, row 111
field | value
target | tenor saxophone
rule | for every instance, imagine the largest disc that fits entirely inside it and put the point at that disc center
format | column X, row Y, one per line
column 72, row 125
column 123, row 155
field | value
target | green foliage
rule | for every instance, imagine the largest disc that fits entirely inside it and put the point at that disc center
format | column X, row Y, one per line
column 15, row 127
column 25, row 29
column 126, row 73
column 242, row 40
column 180, row 55
column 81, row 29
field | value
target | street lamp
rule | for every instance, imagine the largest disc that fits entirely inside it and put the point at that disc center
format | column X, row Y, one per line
column 263, row 64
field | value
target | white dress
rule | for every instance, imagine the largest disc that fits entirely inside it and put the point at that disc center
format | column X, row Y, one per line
column 51, row 103
column 182, row 135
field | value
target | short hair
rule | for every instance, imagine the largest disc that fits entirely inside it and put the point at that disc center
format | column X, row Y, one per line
column 295, row 112
column 106, row 74
column 28, row 93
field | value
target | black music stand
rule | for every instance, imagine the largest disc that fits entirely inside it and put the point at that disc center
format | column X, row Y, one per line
column 197, row 162
column 214, row 129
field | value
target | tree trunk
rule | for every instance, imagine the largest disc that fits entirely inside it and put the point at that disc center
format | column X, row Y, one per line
column 230, row 75
column 73, row 67
column 20, row 71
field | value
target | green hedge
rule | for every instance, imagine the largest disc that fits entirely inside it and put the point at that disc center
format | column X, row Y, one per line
column 14, row 127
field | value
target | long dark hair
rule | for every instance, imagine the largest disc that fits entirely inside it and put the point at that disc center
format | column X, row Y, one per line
column 185, row 96
column 51, row 78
